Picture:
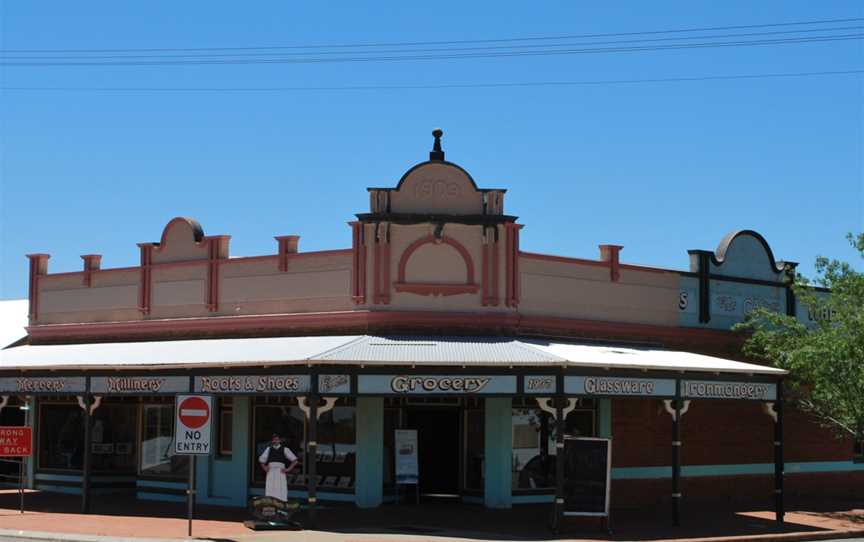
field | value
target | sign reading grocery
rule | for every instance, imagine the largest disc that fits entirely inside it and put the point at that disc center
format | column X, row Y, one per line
column 437, row 384
column 709, row 389
column 16, row 441
column 270, row 384
column 48, row 384
column 608, row 385
column 118, row 385
column 192, row 425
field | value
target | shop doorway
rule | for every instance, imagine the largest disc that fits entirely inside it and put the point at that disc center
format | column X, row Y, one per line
column 438, row 439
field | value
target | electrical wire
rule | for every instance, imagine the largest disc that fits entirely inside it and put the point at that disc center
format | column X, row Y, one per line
column 438, row 86
column 449, row 42
column 411, row 57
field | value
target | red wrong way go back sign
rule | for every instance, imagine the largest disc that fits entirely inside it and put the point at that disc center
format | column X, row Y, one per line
column 192, row 424
column 16, row 441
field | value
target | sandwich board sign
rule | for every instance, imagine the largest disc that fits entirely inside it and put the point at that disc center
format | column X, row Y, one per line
column 192, row 426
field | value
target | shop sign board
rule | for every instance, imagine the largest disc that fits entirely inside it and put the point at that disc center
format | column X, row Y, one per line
column 623, row 386
column 436, row 384
column 43, row 384
column 139, row 385
column 16, row 441
column 334, row 384
column 541, row 384
column 253, row 384
column 587, row 476
column 712, row 389
column 407, row 469
column 193, row 417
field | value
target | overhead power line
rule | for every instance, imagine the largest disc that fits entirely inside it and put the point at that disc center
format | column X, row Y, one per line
column 448, row 42
column 450, row 56
column 438, row 86
column 432, row 50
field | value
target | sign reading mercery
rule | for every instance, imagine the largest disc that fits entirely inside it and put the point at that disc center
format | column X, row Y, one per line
column 193, row 414
column 16, row 441
column 253, row 384
column 43, row 384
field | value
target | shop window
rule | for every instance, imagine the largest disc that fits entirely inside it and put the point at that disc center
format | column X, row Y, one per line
column 337, row 448
column 225, row 427
column 279, row 415
column 61, row 436
column 534, row 437
column 112, row 436
column 858, row 451
column 391, row 424
column 475, row 444
column 157, row 443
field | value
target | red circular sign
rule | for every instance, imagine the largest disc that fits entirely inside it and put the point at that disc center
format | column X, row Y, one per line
column 194, row 412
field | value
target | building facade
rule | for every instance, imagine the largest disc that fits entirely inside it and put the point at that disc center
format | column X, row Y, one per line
column 433, row 319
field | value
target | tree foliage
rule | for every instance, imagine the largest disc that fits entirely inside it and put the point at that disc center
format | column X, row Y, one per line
column 825, row 357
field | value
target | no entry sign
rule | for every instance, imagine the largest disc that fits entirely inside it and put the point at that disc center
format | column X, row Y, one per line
column 16, row 442
column 192, row 427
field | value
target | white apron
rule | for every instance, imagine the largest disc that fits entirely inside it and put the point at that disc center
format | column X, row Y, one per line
column 275, row 485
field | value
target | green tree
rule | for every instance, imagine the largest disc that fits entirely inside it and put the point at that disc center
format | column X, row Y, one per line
column 825, row 357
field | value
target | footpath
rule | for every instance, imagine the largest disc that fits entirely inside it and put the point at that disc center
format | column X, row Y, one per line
column 120, row 518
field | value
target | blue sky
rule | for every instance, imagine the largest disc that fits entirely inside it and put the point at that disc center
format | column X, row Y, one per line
column 657, row 167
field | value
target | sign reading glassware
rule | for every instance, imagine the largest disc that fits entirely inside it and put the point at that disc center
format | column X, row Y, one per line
column 270, row 384
column 610, row 385
column 710, row 389
column 118, row 385
column 437, row 384
column 46, row 384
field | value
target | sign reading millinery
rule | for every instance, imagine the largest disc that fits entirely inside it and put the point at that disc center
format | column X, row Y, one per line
column 437, row 384
column 16, row 441
column 613, row 385
column 539, row 384
column 43, row 384
column 709, row 389
column 407, row 471
column 139, row 385
column 269, row 384
column 334, row 384
column 193, row 414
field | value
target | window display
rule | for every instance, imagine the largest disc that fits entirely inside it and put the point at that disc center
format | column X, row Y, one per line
column 157, row 443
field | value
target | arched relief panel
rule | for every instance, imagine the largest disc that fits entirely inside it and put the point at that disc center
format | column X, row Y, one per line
column 436, row 188
column 433, row 266
column 182, row 240
column 746, row 253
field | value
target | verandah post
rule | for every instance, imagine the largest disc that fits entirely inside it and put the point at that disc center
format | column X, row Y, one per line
column 311, row 457
column 779, row 509
column 85, row 468
column 676, row 457
column 559, row 455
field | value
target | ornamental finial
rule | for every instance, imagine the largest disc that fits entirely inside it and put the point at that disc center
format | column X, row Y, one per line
column 437, row 153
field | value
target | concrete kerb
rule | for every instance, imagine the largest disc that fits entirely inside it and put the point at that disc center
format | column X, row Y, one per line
column 326, row 536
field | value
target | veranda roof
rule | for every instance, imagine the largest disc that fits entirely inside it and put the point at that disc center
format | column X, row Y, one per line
column 367, row 350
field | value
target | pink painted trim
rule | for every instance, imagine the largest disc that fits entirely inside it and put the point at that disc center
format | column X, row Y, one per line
column 496, row 270
column 287, row 245
column 144, row 289
column 437, row 289
column 385, row 271
column 360, row 321
column 376, row 273
column 38, row 268
column 595, row 263
column 430, row 239
column 92, row 263
column 484, row 275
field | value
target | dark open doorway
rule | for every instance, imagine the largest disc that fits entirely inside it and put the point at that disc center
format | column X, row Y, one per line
column 438, row 431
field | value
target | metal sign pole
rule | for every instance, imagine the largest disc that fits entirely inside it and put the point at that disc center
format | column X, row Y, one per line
column 191, row 493
column 21, row 484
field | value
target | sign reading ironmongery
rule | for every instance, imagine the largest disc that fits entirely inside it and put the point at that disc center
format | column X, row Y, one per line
column 252, row 384
column 144, row 385
column 46, row 384
column 610, row 385
column 437, row 384
column 709, row 389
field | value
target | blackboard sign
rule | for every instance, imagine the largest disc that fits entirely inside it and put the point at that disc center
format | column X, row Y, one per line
column 587, row 466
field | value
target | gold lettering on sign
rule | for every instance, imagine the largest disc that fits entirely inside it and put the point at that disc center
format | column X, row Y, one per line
column 437, row 188
column 116, row 385
column 414, row 384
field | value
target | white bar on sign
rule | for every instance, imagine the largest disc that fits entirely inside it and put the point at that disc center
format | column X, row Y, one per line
column 193, row 412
